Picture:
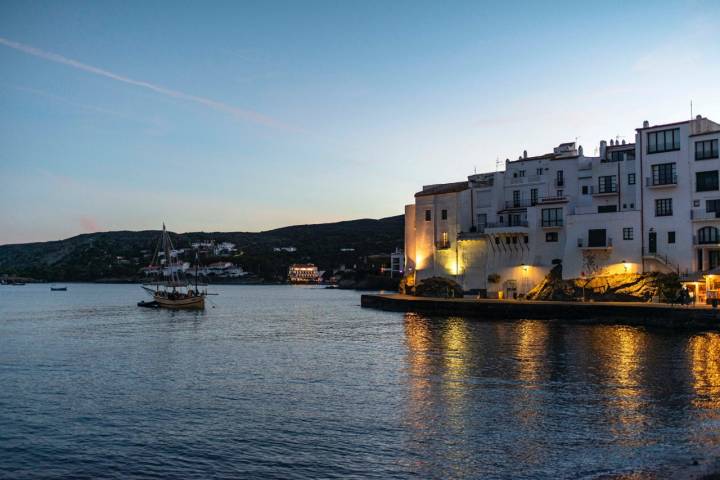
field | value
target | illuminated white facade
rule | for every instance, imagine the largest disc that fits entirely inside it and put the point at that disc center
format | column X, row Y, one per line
column 501, row 233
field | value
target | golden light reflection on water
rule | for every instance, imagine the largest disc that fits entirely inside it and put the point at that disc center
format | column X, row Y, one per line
column 619, row 353
column 531, row 351
column 704, row 353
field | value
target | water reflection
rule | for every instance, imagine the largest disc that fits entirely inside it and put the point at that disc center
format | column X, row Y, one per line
column 704, row 353
column 516, row 391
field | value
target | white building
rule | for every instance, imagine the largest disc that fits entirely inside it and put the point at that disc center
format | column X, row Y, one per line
column 637, row 207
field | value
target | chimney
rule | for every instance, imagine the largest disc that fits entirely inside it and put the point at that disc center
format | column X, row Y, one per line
column 612, row 142
column 698, row 117
column 646, row 124
column 524, row 153
column 580, row 151
column 603, row 148
column 623, row 142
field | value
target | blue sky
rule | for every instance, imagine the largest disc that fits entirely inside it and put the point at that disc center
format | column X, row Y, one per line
column 254, row 115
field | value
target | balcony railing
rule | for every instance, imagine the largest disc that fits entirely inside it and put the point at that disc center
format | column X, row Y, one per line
column 699, row 214
column 495, row 225
column 662, row 181
column 558, row 222
column 582, row 243
column 605, row 190
column 519, row 203
column 554, row 199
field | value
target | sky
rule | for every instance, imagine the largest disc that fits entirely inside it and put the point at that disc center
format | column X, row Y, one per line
column 247, row 116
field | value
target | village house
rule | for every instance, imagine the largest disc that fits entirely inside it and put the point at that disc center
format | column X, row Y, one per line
column 651, row 205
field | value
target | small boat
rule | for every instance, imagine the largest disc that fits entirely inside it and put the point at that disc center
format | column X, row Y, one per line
column 171, row 289
column 58, row 289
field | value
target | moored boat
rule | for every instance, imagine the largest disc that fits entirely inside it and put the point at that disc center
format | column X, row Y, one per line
column 172, row 289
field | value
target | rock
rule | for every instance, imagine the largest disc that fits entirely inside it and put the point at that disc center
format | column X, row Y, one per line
column 438, row 287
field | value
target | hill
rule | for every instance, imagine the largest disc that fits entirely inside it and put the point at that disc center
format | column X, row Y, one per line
column 121, row 254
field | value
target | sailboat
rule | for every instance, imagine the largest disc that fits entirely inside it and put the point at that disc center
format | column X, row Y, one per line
column 171, row 289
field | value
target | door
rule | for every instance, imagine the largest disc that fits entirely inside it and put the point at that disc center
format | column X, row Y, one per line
column 652, row 242
column 596, row 237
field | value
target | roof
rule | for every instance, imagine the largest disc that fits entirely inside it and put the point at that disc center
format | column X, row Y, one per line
column 623, row 146
column 705, row 133
column 663, row 125
column 443, row 188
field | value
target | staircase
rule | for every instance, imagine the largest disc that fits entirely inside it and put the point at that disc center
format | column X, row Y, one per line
column 666, row 264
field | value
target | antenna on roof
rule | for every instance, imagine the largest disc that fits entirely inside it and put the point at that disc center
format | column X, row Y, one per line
column 691, row 112
column 475, row 169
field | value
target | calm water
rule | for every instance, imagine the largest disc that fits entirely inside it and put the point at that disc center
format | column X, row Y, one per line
column 291, row 382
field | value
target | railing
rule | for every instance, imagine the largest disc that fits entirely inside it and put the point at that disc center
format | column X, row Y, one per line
column 702, row 214
column 666, row 180
column 558, row 222
column 561, row 198
column 606, row 244
column 596, row 190
column 519, row 203
column 662, row 258
column 521, row 223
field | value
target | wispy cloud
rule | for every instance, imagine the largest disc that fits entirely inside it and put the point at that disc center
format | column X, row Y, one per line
column 248, row 115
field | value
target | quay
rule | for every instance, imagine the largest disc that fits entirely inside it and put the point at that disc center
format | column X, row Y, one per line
column 700, row 317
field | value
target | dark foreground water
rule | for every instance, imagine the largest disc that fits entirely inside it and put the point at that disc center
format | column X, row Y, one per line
column 288, row 382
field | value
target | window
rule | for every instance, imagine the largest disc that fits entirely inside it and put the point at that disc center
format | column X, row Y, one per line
column 663, row 141
column 521, row 173
column 671, row 237
column 706, row 149
column 533, row 196
column 559, row 179
column 664, row 174
column 539, row 171
column 514, row 220
column 551, row 237
column 631, row 179
column 584, row 189
column 632, row 205
column 663, row 207
column 443, row 214
column 620, row 156
column 552, row 217
column 607, row 184
column 708, row 235
column 428, row 215
column 712, row 205
column 628, row 233
column 444, row 241
column 527, row 239
column 559, row 193
column 516, row 198
column 482, row 219
column 607, row 208
column 706, row 181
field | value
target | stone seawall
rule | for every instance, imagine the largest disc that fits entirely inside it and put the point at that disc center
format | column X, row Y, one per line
column 640, row 314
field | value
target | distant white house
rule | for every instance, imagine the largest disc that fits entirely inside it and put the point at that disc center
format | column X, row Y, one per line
column 219, row 269
column 304, row 273
column 347, row 249
column 285, row 249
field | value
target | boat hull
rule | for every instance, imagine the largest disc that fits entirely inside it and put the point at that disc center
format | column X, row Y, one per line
column 180, row 303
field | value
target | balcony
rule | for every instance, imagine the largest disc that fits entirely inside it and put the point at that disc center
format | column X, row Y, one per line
column 606, row 245
column 525, row 180
column 596, row 191
column 661, row 181
column 556, row 199
column 519, row 203
column 514, row 227
column 550, row 224
column 701, row 215
column 476, row 235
